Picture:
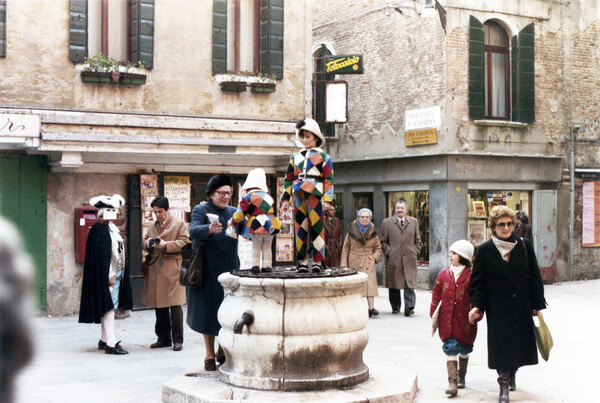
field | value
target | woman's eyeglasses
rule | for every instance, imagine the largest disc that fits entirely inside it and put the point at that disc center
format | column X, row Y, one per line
column 505, row 224
column 223, row 193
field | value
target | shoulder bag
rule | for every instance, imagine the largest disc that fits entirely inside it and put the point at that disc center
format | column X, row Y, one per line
column 190, row 274
column 543, row 338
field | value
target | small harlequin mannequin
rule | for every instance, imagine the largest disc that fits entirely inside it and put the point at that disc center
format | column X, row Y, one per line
column 309, row 178
column 257, row 207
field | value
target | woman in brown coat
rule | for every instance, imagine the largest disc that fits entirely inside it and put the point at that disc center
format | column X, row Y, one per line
column 162, row 289
column 361, row 251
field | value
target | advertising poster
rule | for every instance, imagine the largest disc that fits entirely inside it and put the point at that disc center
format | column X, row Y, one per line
column 148, row 191
column 284, row 244
column 177, row 190
column 591, row 214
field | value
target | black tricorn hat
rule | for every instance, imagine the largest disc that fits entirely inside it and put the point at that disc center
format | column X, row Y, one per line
column 216, row 182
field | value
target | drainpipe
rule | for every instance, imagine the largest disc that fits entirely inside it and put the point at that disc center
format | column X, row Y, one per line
column 574, row 130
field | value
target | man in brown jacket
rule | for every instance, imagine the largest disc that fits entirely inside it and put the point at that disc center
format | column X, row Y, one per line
column 334, row 237
column 163, row 241
column 401, row 243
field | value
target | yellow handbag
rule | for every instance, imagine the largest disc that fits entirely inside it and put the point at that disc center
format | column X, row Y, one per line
column 543, row 338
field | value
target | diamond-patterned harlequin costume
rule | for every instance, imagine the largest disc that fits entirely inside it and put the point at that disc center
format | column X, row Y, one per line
column 310, row 178
column 257, row 207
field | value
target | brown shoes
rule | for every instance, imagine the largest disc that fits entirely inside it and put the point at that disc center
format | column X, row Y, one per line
column 210, row 364
column 160, row 344
column 177, row 346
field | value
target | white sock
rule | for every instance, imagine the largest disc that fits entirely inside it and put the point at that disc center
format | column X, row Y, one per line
column 451, row 358
column 108, row 328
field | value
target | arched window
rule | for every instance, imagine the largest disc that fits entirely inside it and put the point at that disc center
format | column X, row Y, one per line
column 496, row 71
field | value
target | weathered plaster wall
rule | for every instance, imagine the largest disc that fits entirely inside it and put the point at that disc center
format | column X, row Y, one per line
column 65, row 193
column 37, row 70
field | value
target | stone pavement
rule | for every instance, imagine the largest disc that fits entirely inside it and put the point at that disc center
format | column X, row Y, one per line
column 68, row 368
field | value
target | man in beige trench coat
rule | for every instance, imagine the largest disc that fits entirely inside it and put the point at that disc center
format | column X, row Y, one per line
column 162, row 289
column 401, row 243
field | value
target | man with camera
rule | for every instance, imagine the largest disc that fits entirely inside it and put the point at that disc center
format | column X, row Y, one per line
column 163, row 241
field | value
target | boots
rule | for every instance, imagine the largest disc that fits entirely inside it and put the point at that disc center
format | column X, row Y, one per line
column 452, row 386
column 462, row 371
column 503, row 377
column 512, row 380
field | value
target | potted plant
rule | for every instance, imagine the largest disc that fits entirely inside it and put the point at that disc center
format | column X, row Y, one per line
column 264, row 84
column 233, row 83
column 129, row 77
column 98, row 69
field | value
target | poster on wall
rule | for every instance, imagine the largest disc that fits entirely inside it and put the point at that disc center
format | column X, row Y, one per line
column 479, row 209
column 477, row 231
column 148, row 191
column 284, row 245
column 591, row 214
column 245, row 253
column 177, row 190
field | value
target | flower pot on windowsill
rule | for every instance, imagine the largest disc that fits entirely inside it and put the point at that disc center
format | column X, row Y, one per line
column 133, row 78
column 263, row 87
column 95, row 77
column 236, row 86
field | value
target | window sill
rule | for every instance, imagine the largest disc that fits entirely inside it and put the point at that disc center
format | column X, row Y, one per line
column 113, row 78
column 499, row 123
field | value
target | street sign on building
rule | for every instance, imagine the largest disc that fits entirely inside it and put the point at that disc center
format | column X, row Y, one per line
column 344, row 64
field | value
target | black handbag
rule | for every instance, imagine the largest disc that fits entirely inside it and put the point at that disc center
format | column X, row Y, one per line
column 190, row 274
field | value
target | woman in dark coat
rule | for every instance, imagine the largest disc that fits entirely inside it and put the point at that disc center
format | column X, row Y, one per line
column 219, row 255
column 507, row 285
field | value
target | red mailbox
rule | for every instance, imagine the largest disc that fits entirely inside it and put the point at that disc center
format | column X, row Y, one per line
column 85, row 218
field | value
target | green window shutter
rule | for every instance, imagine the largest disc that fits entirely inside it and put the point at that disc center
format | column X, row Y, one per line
column 219, row 50
column 526, row 74
column 142, row 32
column 271, row 37
column 3, row 28
column 476, row 73
column 78, row 31
column 515, row 112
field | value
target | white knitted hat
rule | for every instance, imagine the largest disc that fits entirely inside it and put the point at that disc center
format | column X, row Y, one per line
column 463, row 248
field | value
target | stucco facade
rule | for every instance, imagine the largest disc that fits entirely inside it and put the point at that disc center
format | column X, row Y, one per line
column 418, row 57
column 96, row 136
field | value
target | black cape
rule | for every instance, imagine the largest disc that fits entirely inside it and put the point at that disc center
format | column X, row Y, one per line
column 95, row 295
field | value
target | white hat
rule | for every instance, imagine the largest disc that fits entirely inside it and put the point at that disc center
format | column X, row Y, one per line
column 115, row 201
column 312, row 126
column 256, row 179
column 463, row 248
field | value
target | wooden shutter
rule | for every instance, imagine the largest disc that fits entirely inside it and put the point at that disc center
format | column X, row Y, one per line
column 219, row 49
column 526, row 74
column 78, row 31
column 3, row 28
column 271, row 37
column 142, row 32
column 476, row 73
column 515, row 112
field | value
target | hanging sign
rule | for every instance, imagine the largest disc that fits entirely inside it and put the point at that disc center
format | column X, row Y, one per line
column 340, row 64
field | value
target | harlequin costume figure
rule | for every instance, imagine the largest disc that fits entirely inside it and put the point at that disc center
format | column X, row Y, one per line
column 261, row 225
column 309, row 178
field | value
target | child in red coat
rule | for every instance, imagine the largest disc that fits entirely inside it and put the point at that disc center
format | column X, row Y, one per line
column 451, row 293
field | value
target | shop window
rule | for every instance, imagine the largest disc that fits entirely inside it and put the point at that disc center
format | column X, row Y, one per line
column 482, row 201
column 362, row 200
column 338, row 199
column 120, row 29
column 418, row 207
column 248, row 37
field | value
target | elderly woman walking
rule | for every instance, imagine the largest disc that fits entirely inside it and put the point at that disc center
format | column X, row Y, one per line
column 361, row 251
column 507, row 285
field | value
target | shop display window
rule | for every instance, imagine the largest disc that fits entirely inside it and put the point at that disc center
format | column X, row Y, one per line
column 418, row 207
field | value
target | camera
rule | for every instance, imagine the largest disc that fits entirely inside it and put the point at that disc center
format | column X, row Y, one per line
column 153, row 241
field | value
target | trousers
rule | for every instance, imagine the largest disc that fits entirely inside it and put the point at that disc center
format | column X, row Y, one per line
column 169, row 326
column 308, row 213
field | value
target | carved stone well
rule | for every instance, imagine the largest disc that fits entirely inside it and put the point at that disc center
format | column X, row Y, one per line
column 307, row 332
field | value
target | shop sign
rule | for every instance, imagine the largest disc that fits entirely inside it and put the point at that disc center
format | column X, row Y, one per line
column 340, row 64
column 423, row 118
column 591, row 214
column 20, row 125
column 420, row 137
column 587, row 175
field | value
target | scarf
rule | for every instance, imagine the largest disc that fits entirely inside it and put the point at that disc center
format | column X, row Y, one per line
column 361, row 227
column 457, row 270
column 504, row 247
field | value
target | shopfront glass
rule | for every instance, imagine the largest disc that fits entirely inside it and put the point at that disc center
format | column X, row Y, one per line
column 482, row 201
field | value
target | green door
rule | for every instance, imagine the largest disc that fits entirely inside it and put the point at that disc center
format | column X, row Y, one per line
column 23, row 194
